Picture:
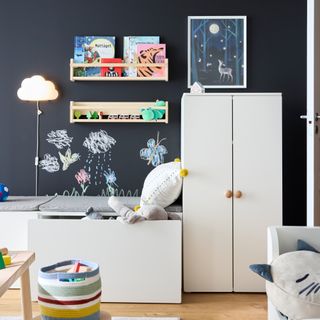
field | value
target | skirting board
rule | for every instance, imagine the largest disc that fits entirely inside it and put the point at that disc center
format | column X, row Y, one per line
column 144, row 318
column 113, row 318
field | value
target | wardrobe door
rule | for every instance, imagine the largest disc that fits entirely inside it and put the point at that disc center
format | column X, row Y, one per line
column 207, row 210
column 257, row 156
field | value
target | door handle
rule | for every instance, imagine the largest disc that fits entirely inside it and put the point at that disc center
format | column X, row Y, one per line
column 238, row 194
column 228, row 194
column 305, row 117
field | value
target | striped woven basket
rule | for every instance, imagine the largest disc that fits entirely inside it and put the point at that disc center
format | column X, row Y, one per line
column 62, row 297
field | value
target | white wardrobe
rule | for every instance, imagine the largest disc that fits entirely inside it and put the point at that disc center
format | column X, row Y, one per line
column 232, row 147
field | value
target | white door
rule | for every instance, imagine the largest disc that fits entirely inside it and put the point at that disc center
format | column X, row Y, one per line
column 313, row 110
column 207, row 213
column 257, row 163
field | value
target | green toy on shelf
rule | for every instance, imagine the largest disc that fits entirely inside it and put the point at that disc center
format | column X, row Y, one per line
column 147, row 114
column 158, row 113
column 88, row 115
column 92, row 115
column 77, row 114
column 160, row 103
column 95, row 115
column 152, row 114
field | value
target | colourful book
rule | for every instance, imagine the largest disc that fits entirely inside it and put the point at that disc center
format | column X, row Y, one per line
column 130, row 50
column 111, row 71
column 151, row 53
column 89, row 49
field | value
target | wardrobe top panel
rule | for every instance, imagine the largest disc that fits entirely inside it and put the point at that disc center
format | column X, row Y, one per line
column 234, row 94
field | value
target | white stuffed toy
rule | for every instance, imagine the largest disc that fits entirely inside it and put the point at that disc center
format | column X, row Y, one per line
column 293, row 282
column 92, row 215
column 161, row 188
column 163, row 184
column 146, row 212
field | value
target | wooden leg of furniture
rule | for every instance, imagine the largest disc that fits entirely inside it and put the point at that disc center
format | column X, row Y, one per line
column 26, row 296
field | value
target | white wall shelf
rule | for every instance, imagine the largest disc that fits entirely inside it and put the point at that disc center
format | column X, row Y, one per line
column 115, row 112
column 74, row 66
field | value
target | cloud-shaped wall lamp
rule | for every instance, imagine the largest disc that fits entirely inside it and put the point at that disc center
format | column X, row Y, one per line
column 37, row 88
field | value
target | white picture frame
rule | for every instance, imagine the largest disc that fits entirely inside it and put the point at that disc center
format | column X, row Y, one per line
column 214, row 38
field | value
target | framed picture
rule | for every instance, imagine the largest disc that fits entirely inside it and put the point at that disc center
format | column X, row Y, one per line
column 217, row 52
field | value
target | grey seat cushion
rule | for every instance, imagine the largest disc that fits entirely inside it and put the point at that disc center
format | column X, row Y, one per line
column 21, row 203
column 99, row 204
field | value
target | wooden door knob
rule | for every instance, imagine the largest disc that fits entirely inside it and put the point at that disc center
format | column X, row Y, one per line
column 238, row 194
column 228, row 194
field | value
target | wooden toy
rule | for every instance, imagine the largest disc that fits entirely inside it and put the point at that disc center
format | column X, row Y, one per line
column 95, row 115
column 135, row 116
column 152, row 114
column 147, row 114
column 160, row 103
column 158, row 113
column 2, row 264
column 88, row 115
column 6, row 259
column 4, row 251
column 124, row 116
column 77, row 114
column 77, row 267
column 81, row 269
column 113, row 116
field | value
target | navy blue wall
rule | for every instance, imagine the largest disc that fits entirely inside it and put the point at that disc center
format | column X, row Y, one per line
column 37, row 38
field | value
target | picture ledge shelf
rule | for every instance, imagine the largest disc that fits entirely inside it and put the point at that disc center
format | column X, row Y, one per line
column 74, row 65
column 114, row 112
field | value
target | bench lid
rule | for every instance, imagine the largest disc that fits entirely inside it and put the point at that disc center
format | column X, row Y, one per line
column 24, row 203
column 99, row 204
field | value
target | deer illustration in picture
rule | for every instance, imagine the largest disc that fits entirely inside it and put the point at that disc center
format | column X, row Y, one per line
column 224, row 71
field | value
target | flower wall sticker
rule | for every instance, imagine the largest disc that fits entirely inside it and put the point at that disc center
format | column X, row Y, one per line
column 111, row 179
column 68, row 158
column 82, row 178
column 154, row 153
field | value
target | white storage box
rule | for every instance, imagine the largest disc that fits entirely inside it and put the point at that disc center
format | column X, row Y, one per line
column 138, row 263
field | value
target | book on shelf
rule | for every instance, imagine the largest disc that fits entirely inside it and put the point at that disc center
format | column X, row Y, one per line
column 111, row 71
column 90, row 49
column 151, row 53
column 130, row 50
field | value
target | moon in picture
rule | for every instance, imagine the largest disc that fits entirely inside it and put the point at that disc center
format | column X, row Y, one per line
column 214, row 28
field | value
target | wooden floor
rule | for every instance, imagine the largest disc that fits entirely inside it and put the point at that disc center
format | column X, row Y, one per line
column 195, row 306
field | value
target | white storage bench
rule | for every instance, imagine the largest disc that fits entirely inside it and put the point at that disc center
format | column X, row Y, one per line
column 139, row 262
column 14, row 216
